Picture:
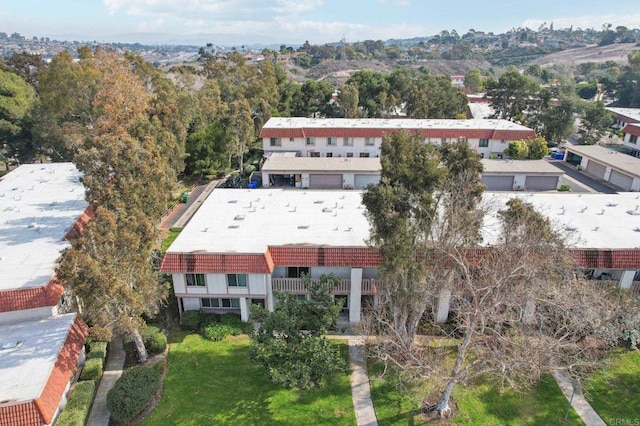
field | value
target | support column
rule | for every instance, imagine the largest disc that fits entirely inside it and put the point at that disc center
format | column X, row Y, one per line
column 443, row 305
column 627, row 279
column 355, row 295
column 244, row 309
column 269, row 286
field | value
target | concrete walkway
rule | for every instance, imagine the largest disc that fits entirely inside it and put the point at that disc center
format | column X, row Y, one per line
column 113, row 370
column 181, row 213
column 360, row 390
column 579, row 403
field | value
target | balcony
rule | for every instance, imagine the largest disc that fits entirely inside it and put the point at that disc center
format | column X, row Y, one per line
column 296, row 286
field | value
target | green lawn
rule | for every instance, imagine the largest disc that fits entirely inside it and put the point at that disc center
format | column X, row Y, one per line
column 615, row 391
column 173, row 234
column 480, row 404
column 216, row 383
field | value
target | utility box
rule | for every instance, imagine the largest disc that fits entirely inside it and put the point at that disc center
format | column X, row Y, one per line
column 185, row 197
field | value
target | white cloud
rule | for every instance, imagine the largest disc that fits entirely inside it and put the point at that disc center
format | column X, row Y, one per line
column 588, row 21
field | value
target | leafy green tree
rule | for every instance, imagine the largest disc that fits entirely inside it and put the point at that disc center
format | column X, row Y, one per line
column 512, row 95
column 373, row 89
column 17, row 99
column 109, row 269
column 627, row 86
column 312, row 99
column 348, row 101
column 26, row 65
column 537, row 148
column 594, row 122
column 474, row 80
column 291, row 341
column 518, row 149
column 557, row 121
column 207, row 152
column 417, row 181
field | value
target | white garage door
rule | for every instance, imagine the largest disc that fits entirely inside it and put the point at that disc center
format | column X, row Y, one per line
column 325, row 181
column 363, row 180
column 498, row 183
column 621, row 180
column 541, row 183
column 596, row 169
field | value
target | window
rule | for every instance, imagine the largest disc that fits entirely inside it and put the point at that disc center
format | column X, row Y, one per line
column 364, row 155
column 484, row 143
column 314, row 154
column 215, row 302
column 275, row 142
column 332, row 141
column 369, row 141
column 291, row 139
column 210, row 303
column 347, row 141
column 462, row 139
column 301, row 296
column 633, row 139
column 349, row 154
column 230, row 303
column 237, row 280
column 297, row 271
column 328, row 154
column 443, row 140
column 311, row 141
column 195, row 280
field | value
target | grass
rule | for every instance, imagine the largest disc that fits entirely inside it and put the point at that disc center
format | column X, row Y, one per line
column 613, row 392
column 479, row 404
column 170, row 238
column 216, row 383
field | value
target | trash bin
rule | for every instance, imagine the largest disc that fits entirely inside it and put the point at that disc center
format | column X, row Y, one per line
column 185, row 197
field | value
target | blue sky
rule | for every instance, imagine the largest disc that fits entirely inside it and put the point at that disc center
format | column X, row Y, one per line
column 237, row 22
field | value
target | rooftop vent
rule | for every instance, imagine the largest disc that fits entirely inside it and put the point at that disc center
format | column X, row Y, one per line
column 635, row 212
column 234, row 226
column 232, row 201
column 239, row 217
column 612, row 204
column 327, row 210
column 303, row 226
column 318, row 202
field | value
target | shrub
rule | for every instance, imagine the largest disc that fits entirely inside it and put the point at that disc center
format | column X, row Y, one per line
column 92, row 369
column 78, row 405
column 217, row 331
column 235, row 324
column 157, row 343
column 564, row 188
column 133, row 392
column 190, row 320
column 208, row 319
column 98, row 350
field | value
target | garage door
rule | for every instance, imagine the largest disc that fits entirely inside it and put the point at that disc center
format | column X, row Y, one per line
column 621, row 180
column 596, row 169
column 498, row 183
column 325, row 181
column 363, row 180
column 541, row 183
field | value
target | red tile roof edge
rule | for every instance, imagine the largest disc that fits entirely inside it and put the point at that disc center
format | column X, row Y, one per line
column 507, row 134
column 30, row 298
column 63, row 370
column 80, row 224
column 20, row 414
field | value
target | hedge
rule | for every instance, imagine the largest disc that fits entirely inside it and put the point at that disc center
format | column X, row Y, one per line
column 98, row 350
column 92, row 369
column 154, row 339
column 133, row 392
column 78, row 405
column 217, row 331
column 190, row 320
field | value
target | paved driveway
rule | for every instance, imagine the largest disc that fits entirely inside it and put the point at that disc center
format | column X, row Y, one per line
column 581, row 178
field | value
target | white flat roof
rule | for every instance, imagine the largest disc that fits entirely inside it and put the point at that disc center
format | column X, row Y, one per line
column 633, row 113
column 481, row 109
column 617, row 160
column 28, row 353
column 274, row 217
column 38, row 205
column 519, row 166
column 591, row 220
column 336, row 218
column 322, row 164
column 389, row 123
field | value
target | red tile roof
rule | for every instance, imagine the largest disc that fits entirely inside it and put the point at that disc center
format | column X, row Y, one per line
column 81, row 223
column 359, row 257
column 29, row 298
column 41, row 410
column 632, row 129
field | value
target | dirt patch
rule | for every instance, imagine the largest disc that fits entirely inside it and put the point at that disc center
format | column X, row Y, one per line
column 599, row 54
column 432, row 416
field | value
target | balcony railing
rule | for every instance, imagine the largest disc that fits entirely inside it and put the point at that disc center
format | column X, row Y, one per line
column 635, row 287
column 296, row 286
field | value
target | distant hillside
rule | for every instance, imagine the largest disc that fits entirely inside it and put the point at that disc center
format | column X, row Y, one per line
column 573, row 57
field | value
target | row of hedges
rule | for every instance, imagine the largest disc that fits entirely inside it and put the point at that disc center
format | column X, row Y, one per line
column 133, row 392
column 78, row 405
column 214, row 327
column 94, row 363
